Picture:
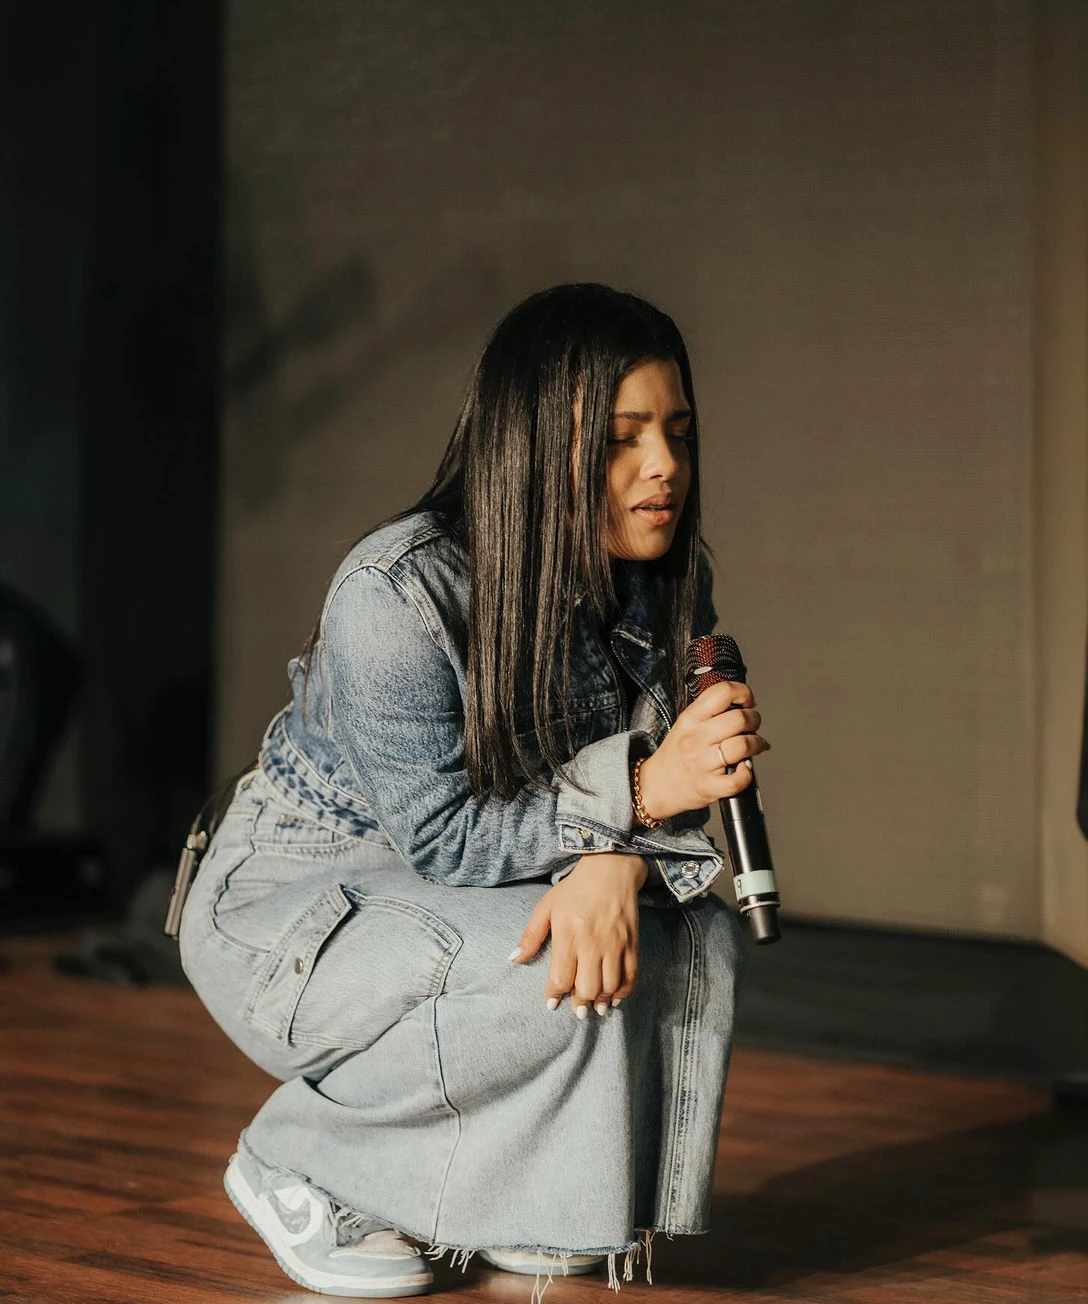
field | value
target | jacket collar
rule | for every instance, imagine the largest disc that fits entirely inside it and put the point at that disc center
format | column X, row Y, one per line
column 634, row 598
column 631, row 638
column 629, row 633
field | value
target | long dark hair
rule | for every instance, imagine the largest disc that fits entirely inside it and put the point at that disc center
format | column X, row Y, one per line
column 505, row 491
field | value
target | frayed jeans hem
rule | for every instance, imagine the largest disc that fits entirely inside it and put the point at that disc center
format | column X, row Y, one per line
column 460, row 1255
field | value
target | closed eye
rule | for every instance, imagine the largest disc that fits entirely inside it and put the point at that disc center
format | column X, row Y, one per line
column 684, row 436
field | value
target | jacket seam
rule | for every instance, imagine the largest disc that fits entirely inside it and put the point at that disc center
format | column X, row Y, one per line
column 408, row 594
column 387, row 560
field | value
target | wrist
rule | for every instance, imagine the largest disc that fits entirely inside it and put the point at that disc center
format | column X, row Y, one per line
column 622, row 863
column 633, row 868
column 642, row 871
column 647, row 802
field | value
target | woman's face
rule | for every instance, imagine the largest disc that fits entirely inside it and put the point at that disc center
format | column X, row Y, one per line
column 649, row 467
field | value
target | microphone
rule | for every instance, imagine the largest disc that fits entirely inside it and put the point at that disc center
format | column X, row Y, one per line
column 714, row 659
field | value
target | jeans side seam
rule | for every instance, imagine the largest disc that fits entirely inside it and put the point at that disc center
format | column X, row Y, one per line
column 683, row 1074
column 449, row 1105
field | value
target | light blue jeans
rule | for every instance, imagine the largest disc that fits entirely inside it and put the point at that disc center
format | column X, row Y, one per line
column 425, row 1083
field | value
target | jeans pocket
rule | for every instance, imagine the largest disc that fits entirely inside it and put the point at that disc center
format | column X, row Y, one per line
column 287, row 834
column 348, row 968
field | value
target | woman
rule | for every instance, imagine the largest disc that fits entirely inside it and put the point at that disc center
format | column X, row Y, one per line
column 485, row 747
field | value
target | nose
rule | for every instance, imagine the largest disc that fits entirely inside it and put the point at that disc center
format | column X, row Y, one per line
column 661, row 459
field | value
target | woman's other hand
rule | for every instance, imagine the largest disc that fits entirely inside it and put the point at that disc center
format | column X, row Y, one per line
column 592, row 916
column 688, row 770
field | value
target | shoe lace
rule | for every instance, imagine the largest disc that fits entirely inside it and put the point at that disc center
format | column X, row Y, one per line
column 349, row 1227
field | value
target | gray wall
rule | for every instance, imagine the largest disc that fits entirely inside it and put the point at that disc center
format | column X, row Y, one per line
column 834, row 200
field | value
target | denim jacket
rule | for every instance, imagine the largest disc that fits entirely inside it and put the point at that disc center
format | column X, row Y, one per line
column 373, row 740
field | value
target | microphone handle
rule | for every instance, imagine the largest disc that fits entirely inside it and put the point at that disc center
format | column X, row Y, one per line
column 746, row 841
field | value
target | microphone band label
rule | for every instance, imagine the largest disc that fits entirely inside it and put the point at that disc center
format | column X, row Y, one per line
column 754, row 883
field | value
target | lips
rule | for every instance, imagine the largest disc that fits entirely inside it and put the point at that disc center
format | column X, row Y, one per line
column 657, row 511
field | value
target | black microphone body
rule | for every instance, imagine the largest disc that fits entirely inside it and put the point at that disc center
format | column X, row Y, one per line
column 713, row 659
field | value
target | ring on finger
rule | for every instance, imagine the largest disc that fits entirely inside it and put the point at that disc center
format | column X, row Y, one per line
column 725, row 764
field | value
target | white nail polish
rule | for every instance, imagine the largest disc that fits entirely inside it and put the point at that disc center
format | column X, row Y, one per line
column 602, row 1008
column 582, row 1011
column 514, row 953
column 617, row 1000
column 553, row 1002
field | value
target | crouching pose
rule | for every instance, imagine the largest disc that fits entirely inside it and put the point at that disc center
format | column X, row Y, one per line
column 461, row 907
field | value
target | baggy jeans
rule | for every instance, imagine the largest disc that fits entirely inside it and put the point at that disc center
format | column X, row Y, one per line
column 424, row 1081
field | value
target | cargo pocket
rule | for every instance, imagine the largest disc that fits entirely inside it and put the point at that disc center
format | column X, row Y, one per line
column 348, row 968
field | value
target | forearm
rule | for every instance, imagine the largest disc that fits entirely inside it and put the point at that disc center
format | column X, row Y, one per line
column 449, row 836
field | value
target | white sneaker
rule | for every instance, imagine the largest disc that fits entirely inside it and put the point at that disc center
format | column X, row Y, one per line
column 570, row 1265
column 317, row 1245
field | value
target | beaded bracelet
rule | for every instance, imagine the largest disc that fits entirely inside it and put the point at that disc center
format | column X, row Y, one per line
column 647, row 821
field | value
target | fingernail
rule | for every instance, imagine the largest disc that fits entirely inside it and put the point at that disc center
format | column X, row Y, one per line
column 616, row 1000
column 602, row 1008
column 552, row 1002
column 582, row 1011
column 748, row 761
column 514, row 953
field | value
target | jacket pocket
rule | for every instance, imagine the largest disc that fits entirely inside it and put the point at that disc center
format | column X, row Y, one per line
column 348, row 968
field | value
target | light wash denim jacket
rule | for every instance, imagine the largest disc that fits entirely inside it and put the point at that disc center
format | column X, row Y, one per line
column 373, row 740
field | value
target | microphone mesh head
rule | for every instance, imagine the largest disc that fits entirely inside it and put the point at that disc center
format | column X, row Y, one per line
column 713, row 659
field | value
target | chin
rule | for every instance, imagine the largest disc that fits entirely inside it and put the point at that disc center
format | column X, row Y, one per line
column 639, row 546
column 652, row 551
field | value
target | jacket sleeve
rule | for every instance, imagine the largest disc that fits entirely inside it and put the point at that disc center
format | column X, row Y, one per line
column 397, row 713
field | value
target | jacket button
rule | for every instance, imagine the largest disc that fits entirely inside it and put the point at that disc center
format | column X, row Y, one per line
column 585, row 834
column 300, row 964
column 690, row 869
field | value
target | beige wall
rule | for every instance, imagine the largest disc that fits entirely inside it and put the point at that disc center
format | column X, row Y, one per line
column 836, row 203
column 1061, row 480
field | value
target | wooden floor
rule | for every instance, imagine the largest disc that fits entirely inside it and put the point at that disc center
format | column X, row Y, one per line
column 835, row 1182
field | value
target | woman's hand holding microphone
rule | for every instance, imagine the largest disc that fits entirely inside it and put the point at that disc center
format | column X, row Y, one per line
column 690, row 769
column 592, row 914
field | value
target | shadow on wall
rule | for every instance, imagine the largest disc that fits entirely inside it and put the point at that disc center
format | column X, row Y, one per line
column 333, row 338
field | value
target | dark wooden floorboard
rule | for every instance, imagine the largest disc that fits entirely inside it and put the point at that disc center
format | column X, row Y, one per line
column 836, row 1182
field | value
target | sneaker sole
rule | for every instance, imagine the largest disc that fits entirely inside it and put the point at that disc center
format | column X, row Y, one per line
column 573, row 1269
column 249, row 1206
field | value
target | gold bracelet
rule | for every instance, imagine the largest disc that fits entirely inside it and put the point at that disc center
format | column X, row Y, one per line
column 647, row 821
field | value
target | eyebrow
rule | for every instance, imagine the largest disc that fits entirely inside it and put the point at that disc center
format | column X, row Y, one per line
column 678, row 415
